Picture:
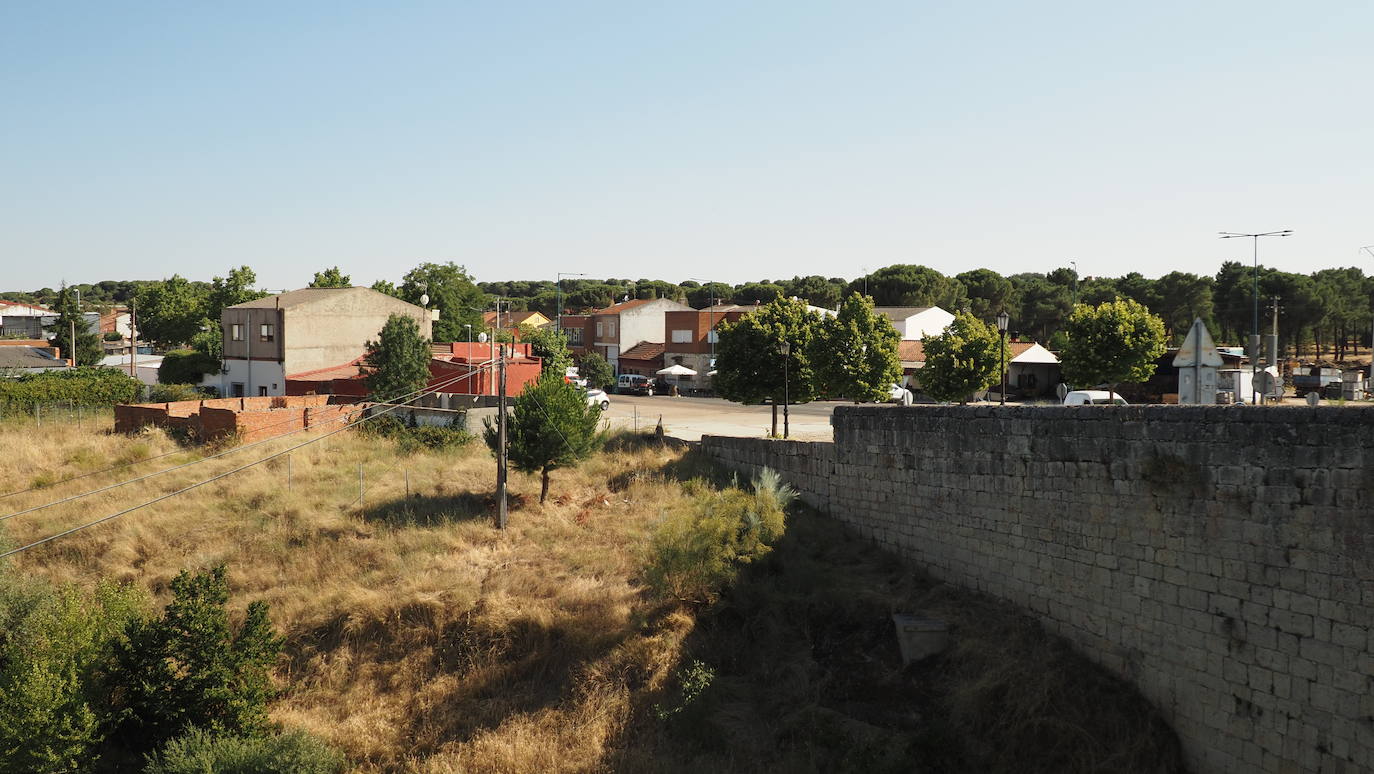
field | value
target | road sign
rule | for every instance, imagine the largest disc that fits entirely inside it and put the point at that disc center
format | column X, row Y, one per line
column 1198, row 349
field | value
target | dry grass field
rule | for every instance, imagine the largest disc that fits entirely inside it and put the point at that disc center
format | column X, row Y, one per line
column 420, row 638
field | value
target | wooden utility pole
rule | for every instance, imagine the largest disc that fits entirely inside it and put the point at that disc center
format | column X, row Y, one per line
column 501, row 439
column 133, row 336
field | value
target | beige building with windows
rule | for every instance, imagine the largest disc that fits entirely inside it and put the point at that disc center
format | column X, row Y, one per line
column 271, row 338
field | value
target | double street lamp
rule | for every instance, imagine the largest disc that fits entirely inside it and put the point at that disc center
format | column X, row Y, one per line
column 1254, row 295
column 1002, row 320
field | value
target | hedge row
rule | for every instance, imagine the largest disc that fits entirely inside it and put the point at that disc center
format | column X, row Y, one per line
column 76, row 386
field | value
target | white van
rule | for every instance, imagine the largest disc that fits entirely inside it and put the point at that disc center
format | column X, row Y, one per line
column 1093, row 398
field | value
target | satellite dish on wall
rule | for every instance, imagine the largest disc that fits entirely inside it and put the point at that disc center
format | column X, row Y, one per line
column 424, row 299
column 482, row 337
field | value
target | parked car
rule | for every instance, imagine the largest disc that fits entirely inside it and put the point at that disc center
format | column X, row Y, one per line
column 1094, row 398
column 598, row 398
column 634, row 384
column 898, row 394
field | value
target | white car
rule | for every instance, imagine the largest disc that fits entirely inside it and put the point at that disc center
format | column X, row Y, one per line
column 1093, row 398
column 598, row 398
column 896, row 393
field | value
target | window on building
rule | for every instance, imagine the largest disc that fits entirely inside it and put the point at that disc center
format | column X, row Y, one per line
column 262, row 391
column 236, row 332
column 599, row 331
column 574, row 336
column 713, row 336
column 682, row 337
column 610, row 329
column 236, row 389
column 268, row 332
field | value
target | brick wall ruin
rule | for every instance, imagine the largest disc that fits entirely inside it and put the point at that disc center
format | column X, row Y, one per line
column 253, row 419
column 1218, row 557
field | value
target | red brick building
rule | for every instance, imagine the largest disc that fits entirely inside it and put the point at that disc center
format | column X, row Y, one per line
column 458, row 367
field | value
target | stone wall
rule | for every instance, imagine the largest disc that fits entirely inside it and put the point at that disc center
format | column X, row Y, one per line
column 1218, row 557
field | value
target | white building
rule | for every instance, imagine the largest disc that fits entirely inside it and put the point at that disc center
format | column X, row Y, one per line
column 914, row 323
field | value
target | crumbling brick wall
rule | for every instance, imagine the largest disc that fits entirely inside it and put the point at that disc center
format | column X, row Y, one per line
column 1222, row 558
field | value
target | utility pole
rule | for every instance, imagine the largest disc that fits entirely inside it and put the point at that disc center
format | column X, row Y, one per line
column 1370, row 386
column 501, row 512
column 72, row 341
column 133, row 336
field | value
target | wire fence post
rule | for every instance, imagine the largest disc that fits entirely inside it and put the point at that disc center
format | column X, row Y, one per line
column 38, row 414
column 288, row 472
column 407, row 473
column 361, row 491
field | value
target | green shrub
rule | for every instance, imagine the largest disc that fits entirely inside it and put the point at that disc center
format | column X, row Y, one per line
column 695, row 552
column 186, row 366
column 199, row 752
column 170, row 393
column 75, row 386
column 435, row 438
column 191, row 669
column 113, row 336
column 56, row 647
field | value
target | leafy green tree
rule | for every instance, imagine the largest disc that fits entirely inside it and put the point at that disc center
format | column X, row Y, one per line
column 757, row 293
column 988, row 293
column 549, row 344
column 192, row 669
column 56, row 648
column 1044, row 305
column 702, row 296
column 816, row 290
column 387, row 287
column 1116, row 341
column 1183, row 297
column 171, row 312
column 88, row 349
column 749, row 365
column 594, row 368
column 331, row 278
column 398, row 361
column 234, row 288
column 962, row 360
column 908, row 285
column 452, row 292
column 551, row 426
column 855, row 354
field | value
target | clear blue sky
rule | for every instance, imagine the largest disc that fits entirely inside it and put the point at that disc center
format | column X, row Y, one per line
column 727, row 140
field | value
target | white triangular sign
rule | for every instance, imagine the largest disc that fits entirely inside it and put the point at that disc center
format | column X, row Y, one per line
column 1198, row 348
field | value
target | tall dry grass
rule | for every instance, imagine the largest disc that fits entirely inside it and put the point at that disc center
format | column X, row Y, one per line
column 420, row 638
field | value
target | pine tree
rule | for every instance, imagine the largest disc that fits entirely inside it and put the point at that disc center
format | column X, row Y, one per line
column 398, row 360
column 88, row 348
column 192, row 669
column 551, row 426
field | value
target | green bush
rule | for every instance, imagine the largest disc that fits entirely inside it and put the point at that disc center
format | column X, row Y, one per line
column 56, row 646
column 170, row 393
column 435, row 438
column 186, row 366
column 695, row 552
column 199, row 752
column 113, row 336
column 191, row 669
column 76, row 386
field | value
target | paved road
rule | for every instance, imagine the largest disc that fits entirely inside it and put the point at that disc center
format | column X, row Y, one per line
column 691, row 418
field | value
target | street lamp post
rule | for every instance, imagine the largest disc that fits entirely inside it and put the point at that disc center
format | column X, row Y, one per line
column 1002, row 319
column 559, row 295
column 1370, row 249
column 785, row 348
column 1254, row 295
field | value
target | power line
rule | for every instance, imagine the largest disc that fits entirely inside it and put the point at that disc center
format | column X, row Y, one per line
column 345, row 418
column 198, row 484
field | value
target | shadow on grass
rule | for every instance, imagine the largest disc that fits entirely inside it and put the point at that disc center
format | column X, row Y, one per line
column 803, row 673
column 435, row 510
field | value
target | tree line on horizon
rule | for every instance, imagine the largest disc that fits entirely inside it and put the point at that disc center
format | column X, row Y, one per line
column 1328, row 311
